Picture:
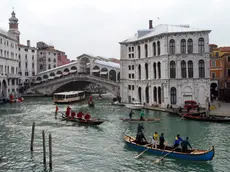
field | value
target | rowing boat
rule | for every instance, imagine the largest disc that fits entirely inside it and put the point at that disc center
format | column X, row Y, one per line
column 207, row 118
column 83, row 121
column 138, row 120
column 191, row 155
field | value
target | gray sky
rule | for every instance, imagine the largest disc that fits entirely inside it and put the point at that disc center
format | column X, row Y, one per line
column 96, row 26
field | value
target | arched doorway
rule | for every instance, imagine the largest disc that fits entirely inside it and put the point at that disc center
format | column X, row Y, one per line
column 84, row 66
column 159, row 95
column 147, row 94
column 112, row 75
column 4, row 89
column 155, row 94
column 139, row 94
column 96, row 71
column 213, row 90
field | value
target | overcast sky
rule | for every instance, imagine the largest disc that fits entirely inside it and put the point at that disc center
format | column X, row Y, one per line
column 96, row 26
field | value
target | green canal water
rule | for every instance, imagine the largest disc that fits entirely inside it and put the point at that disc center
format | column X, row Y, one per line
column 83, row 148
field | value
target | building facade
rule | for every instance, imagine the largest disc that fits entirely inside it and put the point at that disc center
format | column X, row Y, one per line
column 9, row 59
column 166, row 64
column 27, row 64
column 62, row 58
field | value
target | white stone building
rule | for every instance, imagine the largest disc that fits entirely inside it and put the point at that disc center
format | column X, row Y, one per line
column 27, row 63
column 46, row 57
column 9, row 59
column 166, row 64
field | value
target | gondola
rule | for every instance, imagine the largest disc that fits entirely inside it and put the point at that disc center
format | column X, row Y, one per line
column 203, row 117
column 82, row 121
column 138, row 120
column 191, row 155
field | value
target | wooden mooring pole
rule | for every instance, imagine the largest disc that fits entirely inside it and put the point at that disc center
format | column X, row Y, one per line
column 50, row 150
column 32, row 138
column 44, row 147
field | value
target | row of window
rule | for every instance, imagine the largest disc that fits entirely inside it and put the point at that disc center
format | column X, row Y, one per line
column 131, row 75
column 49, row 60
column 26, row 73
column 26, row 50
column 7, row 43
column 41, row 67
column 7, row 54
column 26, row 65
column 131, row 67
column 185, row 47
column 7, row 69
column 49, row 53
column 19, row 57
column 131, row 87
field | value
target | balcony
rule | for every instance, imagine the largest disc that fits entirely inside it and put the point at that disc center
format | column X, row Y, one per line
column 13, row 76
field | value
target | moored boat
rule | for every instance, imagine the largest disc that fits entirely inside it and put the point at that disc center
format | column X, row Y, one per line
column 117, row 103
column 135, row 105
column 192, row 155
column 203, row 117
column 138, row 120
column 68, row 97
column 83, row 121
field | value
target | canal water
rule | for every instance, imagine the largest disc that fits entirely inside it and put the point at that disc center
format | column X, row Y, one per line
column 84, row 148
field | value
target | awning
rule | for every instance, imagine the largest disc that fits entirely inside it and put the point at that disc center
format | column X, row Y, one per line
column 65, row 73
column 73, row 71
column 37, row 82
column 96, row 70
column 58, row 75
column 51, row 77
column 103, row 73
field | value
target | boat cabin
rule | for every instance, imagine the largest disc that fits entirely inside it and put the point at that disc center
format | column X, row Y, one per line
column 190, row 103
column 68, row 97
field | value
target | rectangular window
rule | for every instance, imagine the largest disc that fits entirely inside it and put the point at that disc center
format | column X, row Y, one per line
column 132, row 67
column 129, row 87
column 213, row 63
column 228, row 72
column 228, row 58
column 132, row 87
column 133, row 75
column 130, row 56
column 132, row 49
column 129, row 67
column 129, row 75
column 217, row 54
column 213, row 75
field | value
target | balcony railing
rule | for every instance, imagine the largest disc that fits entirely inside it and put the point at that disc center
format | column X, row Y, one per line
column 13, row 75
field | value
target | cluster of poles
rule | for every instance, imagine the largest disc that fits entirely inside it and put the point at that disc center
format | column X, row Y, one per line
column 44, row 145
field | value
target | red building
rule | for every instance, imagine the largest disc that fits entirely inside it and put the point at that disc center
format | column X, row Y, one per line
column 62, row 58
column 114, row 60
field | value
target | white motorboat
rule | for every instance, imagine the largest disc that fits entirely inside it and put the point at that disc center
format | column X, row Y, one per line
column 135, row 105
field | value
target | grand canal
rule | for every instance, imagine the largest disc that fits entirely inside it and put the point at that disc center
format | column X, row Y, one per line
column 83, row 149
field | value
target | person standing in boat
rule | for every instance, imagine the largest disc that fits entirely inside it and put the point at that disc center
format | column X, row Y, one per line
column 140, row 128
column 177, row 141
column 142, row 115
column 131, row 113
column 140, row 138
column 155, row 136
column 162, row 141
column 185, row 144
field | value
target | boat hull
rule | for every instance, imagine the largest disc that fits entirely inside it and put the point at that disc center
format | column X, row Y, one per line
column 135, row 107
column 84, row 122
column 197, row 155
column 208, row 119
column 138, row 120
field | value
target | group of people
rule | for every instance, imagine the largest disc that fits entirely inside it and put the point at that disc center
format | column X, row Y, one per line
column 71, row 114
column 140, row 139
column 131, row 113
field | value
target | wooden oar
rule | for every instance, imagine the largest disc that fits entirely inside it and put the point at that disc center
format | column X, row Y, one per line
column 182, row 117
column 143, row 151
column 109, row 147
column 158, row 160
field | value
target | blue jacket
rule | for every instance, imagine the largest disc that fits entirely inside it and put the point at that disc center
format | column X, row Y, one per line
column 178, row 140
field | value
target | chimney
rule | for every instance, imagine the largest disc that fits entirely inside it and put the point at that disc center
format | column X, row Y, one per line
column 28, row 43
column 150, row 24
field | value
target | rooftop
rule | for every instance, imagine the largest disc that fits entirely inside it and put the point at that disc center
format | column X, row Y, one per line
column 107, row 63
column 162, row 29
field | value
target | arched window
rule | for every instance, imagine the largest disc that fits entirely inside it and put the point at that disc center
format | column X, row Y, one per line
column 139, row 71
column 183, row 69
column 158, row 48
column 190, row 69
column 190, row 46
column 49, row 67
column 155, row 70
column 201, row 45
column 172, row 46
column 146, row 50
column 183, row 46
column 173, row 95
column 154, row 49
column 146, row 71
column 49, row 60
column 139, row 51
column 41, row 67
column 54, row 60
column 172, row 69
column 159, row 69
column 201, row 69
